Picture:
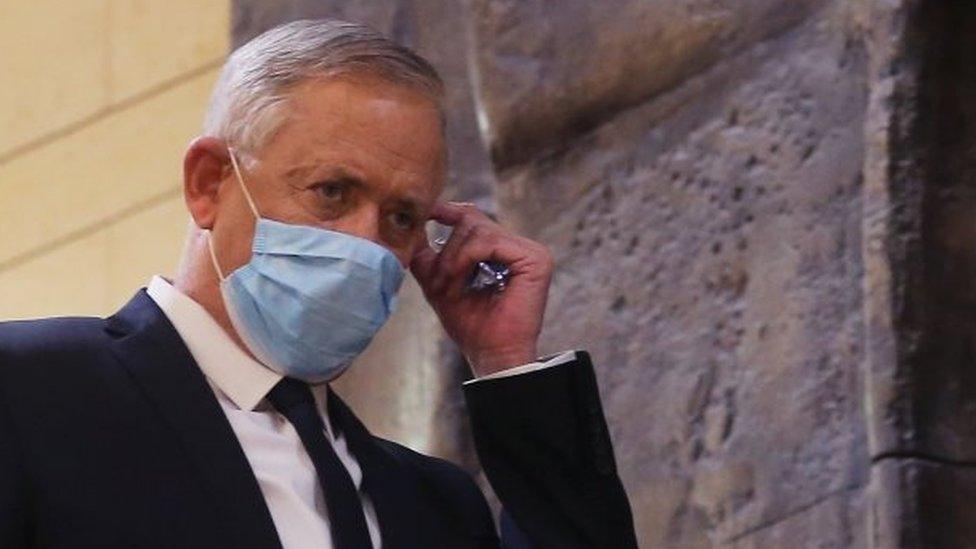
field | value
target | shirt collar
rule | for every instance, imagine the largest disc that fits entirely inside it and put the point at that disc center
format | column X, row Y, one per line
column 244, row 380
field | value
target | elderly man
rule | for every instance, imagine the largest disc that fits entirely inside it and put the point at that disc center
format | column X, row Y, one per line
column 200, row 416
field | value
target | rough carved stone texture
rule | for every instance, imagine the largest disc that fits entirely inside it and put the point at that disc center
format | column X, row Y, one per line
column 709, row 252
column 549, row 69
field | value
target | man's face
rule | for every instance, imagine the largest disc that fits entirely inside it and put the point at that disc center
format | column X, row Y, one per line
column 357, row 154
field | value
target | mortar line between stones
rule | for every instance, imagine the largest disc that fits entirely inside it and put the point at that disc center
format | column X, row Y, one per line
column 790, row 514
column 105, row 112
column 921, row 456
column 89, row 229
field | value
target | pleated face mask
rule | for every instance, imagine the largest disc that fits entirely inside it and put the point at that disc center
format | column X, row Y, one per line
column 309, row 300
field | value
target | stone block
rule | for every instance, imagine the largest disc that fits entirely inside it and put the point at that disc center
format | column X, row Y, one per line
column 551, row 69
column 100, row 171
column 709, row 257
column 831, row 522
column 152, row 42
column 54, row 64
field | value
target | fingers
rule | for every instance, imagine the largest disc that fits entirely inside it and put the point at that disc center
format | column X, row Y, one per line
column 453, row 213
column 467, row 221
column 526, row 259
column 454, row 266
column 475, row 238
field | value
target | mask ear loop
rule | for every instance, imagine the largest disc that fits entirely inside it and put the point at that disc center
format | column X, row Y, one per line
column 250, row 203
column 213, row 256
column 240, row 179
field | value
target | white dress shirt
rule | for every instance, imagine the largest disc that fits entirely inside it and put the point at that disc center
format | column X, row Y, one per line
column 284, row 470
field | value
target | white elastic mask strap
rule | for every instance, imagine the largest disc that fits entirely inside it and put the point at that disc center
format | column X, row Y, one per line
column 240, row 179
column 213, row 256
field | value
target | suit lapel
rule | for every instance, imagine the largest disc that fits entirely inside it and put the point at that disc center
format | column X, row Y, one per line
column 158, row 360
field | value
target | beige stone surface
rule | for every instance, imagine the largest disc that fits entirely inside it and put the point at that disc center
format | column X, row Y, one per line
column 54, row 63
column 70, row 280
column 153, row 41
column 96, row 174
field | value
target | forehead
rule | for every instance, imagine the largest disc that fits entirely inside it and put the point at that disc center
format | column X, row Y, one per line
column 390, row 134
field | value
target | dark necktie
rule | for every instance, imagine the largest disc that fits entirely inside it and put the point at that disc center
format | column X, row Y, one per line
column 294, row 400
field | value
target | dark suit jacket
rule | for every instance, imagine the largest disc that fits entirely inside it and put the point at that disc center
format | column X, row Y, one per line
column 111, row 437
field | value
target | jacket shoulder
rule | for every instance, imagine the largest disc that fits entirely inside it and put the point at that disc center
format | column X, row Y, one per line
column 49, row 341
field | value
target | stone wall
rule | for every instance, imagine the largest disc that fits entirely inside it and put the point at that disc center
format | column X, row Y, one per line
column 762, row 213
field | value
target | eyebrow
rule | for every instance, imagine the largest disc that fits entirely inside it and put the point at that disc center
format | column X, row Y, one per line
column 341, row 173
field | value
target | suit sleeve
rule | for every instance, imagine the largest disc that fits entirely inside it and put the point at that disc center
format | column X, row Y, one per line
column 543, row 441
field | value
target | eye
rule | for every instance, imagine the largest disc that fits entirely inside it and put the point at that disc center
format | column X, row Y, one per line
column 404, row 221
column 333, row 191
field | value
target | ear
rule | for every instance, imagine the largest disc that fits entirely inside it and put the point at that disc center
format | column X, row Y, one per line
column 205, row 166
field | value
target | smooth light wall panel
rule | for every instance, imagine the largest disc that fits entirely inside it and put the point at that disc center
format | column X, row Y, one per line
column 54, row 63
column 99, row 272
column 144, row 245
column 66, row 282
column 154, row 41
column 101, row 172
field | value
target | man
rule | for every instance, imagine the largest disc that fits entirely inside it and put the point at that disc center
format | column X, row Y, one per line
column 200, row 416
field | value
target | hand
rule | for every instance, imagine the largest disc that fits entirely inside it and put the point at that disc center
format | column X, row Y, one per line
column 494, row 330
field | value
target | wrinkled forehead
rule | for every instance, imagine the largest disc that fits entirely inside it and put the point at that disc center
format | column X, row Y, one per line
column 385, row 130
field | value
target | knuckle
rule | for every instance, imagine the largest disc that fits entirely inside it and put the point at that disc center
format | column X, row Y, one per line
column 476, row 231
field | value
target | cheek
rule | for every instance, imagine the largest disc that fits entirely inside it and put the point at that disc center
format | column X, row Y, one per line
column 233, row 234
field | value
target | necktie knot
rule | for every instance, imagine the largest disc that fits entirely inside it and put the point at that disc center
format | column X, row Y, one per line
column 290, row 393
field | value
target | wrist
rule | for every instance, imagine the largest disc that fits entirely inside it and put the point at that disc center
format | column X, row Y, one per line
column 492, row 361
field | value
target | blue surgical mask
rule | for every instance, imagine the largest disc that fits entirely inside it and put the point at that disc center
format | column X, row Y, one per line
column 309, row 300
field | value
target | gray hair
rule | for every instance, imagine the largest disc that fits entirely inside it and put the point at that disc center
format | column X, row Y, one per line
column 249, row 101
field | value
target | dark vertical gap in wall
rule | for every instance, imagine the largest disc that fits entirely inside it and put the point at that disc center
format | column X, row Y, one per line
column 945, row 379
column 944, row 372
